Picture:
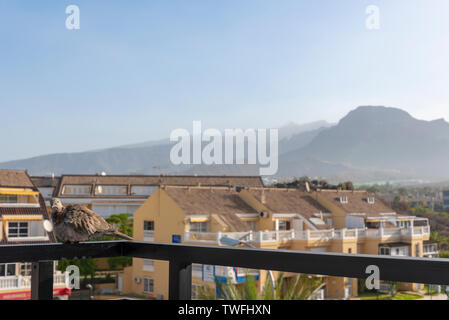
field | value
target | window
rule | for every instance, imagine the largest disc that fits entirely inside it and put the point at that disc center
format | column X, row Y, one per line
column 25, row 269
column 148, row 231
column 283, row 225
column 417, row 253
column 343, row 199
column 142, row 190
column 17, row 229
column 111, row 190
column 8, row 198
column 384, row 251
column 148, row 225
column 7, row 269
column 252, row 225
column 400, row 251
column 148, row 265
column 403, row 224
column 148, row 285
column 199, row 227
column 81, row 190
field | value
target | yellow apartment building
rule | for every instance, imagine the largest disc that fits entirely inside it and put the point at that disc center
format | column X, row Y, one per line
column 22, row 212
column 321, row 221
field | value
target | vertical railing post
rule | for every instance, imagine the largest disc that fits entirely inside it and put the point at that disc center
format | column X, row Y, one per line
column 42, row 280
column 180, row 280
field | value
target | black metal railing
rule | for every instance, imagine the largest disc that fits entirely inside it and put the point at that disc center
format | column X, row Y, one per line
column 181, row 257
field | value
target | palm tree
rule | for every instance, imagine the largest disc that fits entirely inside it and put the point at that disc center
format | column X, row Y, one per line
column 299, row 287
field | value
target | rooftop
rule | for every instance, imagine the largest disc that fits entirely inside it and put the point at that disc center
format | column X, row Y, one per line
column 222, row 201
column 15, row 179
column 357, row 202
column 147, row 180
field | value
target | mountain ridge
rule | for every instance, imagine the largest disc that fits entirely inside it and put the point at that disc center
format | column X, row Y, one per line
column 369, row 143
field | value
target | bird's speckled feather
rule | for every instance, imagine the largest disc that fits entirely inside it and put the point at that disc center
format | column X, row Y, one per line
column 74, row 223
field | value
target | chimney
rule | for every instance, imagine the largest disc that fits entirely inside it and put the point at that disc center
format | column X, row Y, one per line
column 263, row 198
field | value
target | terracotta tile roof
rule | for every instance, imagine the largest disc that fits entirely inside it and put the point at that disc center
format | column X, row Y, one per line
column 224, row 202
column 243, row 181
column 15, row 179
column 357, row 202
column 45, row 182
column 282, row 200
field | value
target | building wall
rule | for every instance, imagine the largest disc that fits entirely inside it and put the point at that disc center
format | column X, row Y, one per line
column 168, row 219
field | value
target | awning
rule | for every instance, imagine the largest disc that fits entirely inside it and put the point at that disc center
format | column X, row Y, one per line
column 22, row 217
column 198, row 218
column 21, row 192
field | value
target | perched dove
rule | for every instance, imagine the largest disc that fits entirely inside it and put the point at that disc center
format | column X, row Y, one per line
column 75, row 223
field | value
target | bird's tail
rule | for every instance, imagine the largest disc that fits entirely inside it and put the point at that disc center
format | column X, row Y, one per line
column 118, row 234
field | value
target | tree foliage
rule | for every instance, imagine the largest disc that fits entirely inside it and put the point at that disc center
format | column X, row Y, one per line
column 299, row 287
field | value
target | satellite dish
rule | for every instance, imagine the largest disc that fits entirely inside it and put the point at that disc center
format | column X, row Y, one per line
column 48, row 225
column 103, row 173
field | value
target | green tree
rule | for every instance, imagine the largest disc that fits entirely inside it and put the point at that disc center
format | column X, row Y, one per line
column 402, row 192
column 393, row 288
column 123, row 221
column 124, row 224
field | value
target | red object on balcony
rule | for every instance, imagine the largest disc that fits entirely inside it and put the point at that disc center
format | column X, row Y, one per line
column 26, row 294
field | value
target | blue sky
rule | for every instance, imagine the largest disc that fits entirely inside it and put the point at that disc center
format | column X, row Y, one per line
column 138, row 69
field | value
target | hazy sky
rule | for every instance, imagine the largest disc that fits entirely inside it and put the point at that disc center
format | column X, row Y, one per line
column 138, row 69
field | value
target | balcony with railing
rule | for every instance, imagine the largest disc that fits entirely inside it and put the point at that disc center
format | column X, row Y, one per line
column 24, row 282
column 182, row 256
column 309, row 235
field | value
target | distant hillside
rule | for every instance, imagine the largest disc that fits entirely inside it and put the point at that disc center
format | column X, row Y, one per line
column 151, row 157
column 379, row 141
column 368, row 144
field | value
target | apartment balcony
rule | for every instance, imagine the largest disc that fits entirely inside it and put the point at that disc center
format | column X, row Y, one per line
column 309, row 235
column 251, row 236
column 182, row 256
column 24, row 282
column 431, row 250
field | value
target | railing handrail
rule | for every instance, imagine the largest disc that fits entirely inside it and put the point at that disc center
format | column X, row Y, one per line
column 181, row 257
column 345, row 233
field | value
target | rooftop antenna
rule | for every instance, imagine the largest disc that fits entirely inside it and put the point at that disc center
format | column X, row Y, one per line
column 159, row 166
